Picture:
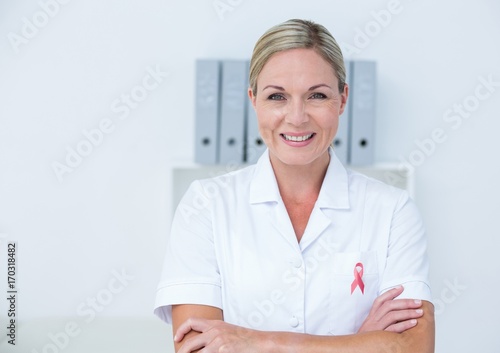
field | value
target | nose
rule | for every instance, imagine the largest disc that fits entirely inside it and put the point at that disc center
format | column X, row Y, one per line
column 296, row 113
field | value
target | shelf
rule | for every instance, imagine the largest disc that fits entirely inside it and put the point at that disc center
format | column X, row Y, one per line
column 184, row 174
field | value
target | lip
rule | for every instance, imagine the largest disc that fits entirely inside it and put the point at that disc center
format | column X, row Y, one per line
column 297, row 134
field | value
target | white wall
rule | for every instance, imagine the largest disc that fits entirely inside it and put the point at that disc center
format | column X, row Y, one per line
column 112, row 212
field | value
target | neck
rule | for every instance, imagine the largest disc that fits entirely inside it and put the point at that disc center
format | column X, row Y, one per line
column 300, row 183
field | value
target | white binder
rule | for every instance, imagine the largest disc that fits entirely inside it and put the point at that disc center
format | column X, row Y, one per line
column 362, row 112
column 341, row 140
column 207, row 111
column 233, row 111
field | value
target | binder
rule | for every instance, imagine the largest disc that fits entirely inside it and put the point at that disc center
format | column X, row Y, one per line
column 207, row 111
column 362, row 112
column 233, row 111
column 341, row 140
column 254, row 143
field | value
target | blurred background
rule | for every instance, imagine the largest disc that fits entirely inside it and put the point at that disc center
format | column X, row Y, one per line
column 91, row 230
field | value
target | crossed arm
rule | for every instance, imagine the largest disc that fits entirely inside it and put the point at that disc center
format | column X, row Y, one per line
column 392, row 326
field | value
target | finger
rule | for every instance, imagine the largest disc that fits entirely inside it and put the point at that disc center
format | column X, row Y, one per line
column 395, row 317
column 193, row 344
column 387, row 296
column 190, row 324
column 402, row 304
column 205, row 342
column 396, row 305
column 392, row 293
column 402, row 326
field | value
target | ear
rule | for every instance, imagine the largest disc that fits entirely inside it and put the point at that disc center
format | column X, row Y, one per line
column 253, row 98
column 344, row 96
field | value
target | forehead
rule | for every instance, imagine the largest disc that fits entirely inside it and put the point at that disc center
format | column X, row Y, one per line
column 297, row 65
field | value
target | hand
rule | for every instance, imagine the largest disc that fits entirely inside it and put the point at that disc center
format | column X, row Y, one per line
column 218, row 336
column 389, row 314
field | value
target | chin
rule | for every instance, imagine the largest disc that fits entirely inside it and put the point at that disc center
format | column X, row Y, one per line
column 297, row 159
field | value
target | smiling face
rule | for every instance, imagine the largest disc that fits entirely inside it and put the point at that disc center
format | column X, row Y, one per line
column 298, row 105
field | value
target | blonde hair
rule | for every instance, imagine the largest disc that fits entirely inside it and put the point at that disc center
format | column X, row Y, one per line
column 295, row 34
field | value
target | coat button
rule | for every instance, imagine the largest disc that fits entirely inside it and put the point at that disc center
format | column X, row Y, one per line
column 294, row 322
column 297, row 262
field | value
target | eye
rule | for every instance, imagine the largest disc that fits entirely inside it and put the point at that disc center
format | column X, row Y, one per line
column 318, row 95
column 276, row 97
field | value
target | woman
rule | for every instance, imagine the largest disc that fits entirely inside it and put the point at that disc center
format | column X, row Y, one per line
column 296, row 253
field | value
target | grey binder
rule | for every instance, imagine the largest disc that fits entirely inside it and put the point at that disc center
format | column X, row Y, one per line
column 207, row 111
column 254, row 144
column 341, row 140
column 362, row 112
column 233, row 111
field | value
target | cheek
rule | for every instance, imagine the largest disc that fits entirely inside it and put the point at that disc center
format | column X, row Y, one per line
column 267, row 119
column 332, row 125
column 329, row 124
column 274, row 112
column 325, row 117
column 265, row 128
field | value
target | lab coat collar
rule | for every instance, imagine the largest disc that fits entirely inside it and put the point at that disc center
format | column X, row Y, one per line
column 264, row 187
column 334, row 192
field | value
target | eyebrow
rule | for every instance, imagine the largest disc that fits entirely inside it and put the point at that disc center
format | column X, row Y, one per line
column 312, row 88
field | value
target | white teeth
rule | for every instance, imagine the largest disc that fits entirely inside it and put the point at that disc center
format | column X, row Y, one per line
column 297, row 138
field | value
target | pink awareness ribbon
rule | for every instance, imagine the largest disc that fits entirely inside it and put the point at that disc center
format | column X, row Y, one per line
column 358, row 281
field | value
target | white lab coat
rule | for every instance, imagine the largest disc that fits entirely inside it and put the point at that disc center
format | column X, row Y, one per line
column 232, row 246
